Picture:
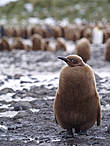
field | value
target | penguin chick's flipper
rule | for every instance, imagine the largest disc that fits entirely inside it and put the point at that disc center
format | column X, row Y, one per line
column 98, row 116
column 56, row 120
column 80, row 132
column 69, row 133
column 98, row 112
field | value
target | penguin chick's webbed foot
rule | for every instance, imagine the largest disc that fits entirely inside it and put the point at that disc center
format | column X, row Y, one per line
column 69, row 133
column 81, row 132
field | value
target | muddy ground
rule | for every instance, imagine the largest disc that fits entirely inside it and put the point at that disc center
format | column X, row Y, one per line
column 28, row 84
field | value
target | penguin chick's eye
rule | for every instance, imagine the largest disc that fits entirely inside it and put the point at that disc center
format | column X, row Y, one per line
column 74, row 61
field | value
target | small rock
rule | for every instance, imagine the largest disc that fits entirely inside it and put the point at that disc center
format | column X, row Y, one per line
column 24, row 82
column 17, row 76
column 1, row 83
column 21, row 114
column 108, row 129
column 6, row 90
column 9, row 77
column 13, row 127
column 22, row 105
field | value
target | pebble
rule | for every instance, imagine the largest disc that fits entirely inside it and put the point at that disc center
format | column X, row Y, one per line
column 22, row 105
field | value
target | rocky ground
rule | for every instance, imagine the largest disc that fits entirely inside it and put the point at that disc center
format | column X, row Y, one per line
column 28, row 83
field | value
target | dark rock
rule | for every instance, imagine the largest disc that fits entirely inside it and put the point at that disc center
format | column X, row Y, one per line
column 1, row 83
column 17, row 76
column 108, row 129
column 20, row 114
column 24, row 82
column 22, row 105
column 9, row 77
column 16, row 126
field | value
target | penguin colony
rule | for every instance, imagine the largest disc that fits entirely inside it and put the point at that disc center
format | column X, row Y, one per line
column 77, row 103
column 40, row 38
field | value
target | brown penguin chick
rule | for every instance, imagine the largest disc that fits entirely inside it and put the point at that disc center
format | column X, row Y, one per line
column 47, row 31
column 4, row 45
column 60, row 45
column 77, row 103
column 88, row 34
column 15, row 32
column 57, row 31
column 83, row 49
column 46, row 46
column 36, row 30
column 72, row 32
column 8, row 31
column 25, row 32
column 19, row 45
column 107, row 51
column 106, row 33
column 36, row 42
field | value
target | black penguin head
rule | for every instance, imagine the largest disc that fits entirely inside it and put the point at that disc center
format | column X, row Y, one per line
column 73, row 60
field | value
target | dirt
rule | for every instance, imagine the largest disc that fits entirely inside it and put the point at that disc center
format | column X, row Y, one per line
column 33, row 123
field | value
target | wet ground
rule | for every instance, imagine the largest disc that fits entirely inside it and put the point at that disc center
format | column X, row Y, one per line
column 28, row 84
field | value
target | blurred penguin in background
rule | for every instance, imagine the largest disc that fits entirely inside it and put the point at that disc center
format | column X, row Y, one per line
column 83, row 49
column 2, row 31
column 107, row 51
column 60, row 45
column 97, row 35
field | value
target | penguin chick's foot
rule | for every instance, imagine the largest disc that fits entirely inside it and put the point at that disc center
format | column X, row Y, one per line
column 69, row 133
column 81, row 132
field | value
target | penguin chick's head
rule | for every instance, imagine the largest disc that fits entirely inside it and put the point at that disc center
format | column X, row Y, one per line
column 73, row 60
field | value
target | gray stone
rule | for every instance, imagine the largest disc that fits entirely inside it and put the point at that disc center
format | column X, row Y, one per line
column 22, row 105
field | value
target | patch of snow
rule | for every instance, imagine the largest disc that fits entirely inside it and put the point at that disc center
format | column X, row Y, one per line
column 5, row 106
column 49, row 98
column 78, row 21
column 34, row 20
column 106, row 107
column 5, row 2
column 10, row 114
column 70, row 46
column 29, row 7
column 49, row 21
column 104, row 72
column 4, row 127
column 64, row 22
column 34, row 110
column 8, row 98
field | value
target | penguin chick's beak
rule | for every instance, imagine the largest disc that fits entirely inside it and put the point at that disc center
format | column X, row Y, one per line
column 63, row 58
